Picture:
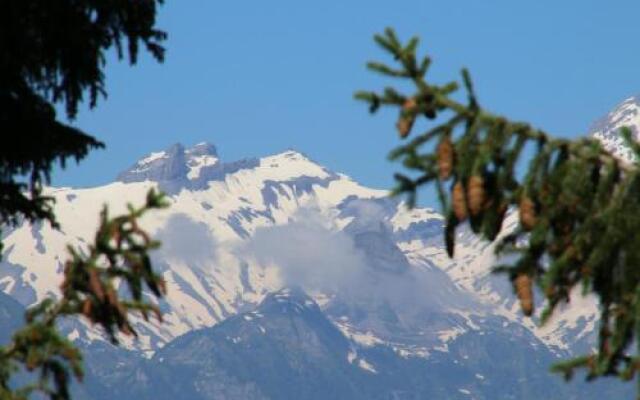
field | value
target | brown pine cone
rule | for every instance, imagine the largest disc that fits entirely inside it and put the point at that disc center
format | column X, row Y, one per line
column 156, row 311
column 70, row 353
column 162, row 286
column 407, row 117
column 445, row 153
column 527, row 213
column 86, row 308
column 459, row 202
column 126, row 329
column 476, row 194
column 95, row 284
column 502, row 210
column 111, row 297
column 404, row 125
column 524, row 291
column 32, row 361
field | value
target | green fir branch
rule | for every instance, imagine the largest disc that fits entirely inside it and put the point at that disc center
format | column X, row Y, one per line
column 578, row 204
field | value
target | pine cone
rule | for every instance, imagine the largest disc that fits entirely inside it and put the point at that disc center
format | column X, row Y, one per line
column 404, row 125
column 407, row 117
column 162, row 286
column 409, row 104
column 70, row 353
column 122, row 310
column 126, row 329
column 527, row 213
column 502, row 210
column 35, row 335
column 459, row 202
column 95, row 284
column 445, row 158
column 476, row 194
column 86, row 308
column 111, row 297
column 157, row 312
column 522, row 285
column 32, row 361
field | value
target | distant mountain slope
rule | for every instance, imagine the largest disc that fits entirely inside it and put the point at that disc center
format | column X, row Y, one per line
column 288, row 349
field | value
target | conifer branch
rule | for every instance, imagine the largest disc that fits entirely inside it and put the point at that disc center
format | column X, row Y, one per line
column 578, row 204
column 92, row 288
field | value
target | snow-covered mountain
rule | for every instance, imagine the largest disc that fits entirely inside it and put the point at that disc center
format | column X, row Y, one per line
column 255, row 226
column 607, row 128
column 238, row 232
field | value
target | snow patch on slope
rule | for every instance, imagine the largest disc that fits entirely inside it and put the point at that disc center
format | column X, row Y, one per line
column 607, row 129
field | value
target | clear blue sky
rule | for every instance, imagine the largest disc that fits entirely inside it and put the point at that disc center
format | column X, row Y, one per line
column 257, row 77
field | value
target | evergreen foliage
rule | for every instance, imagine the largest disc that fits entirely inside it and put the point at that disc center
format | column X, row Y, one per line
column 118, row 256
column 579, row 206
column 53, row 52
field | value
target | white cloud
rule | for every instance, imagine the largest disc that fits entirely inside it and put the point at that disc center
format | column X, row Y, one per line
column 308, row 251
column 186, row 241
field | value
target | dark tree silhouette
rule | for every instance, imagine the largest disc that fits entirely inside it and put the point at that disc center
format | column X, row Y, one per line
column 53, row 52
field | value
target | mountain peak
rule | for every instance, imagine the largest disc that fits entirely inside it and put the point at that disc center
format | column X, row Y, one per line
column 178, row 167
column 290, row 155
column 203, row 149
column 200, row 156
column 166, row 165
column 607, row 128
column 289, row 299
